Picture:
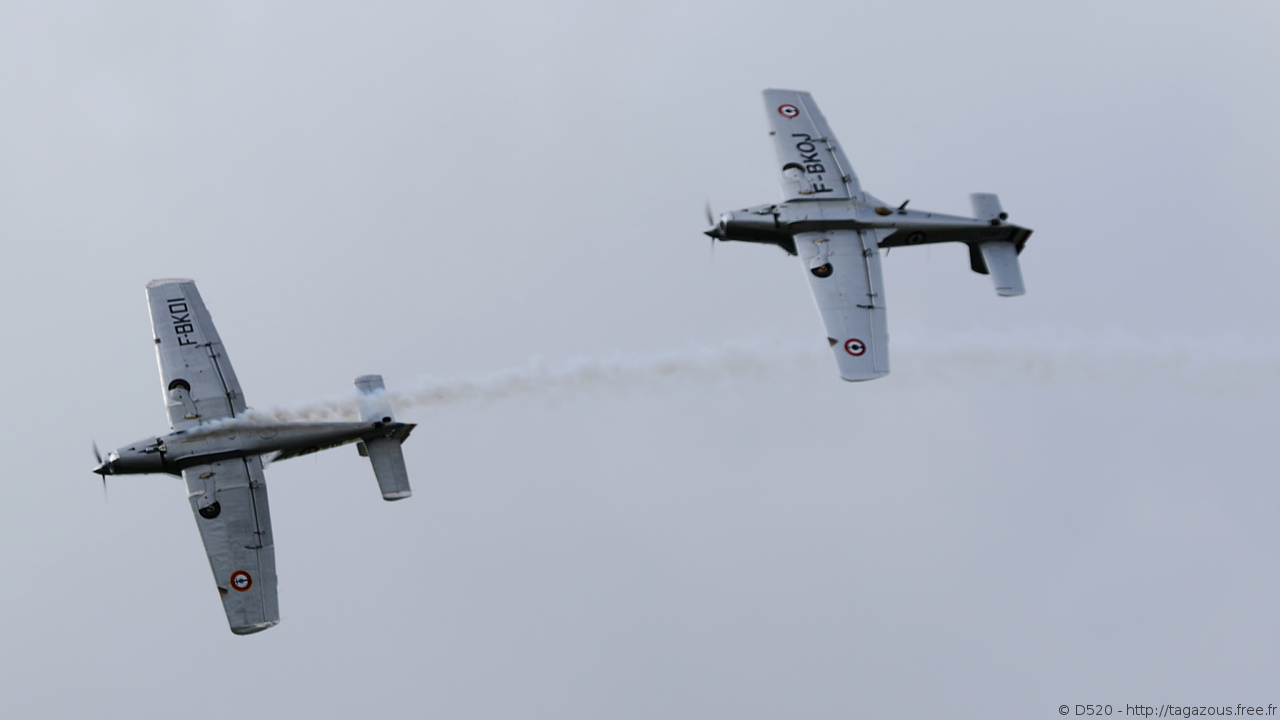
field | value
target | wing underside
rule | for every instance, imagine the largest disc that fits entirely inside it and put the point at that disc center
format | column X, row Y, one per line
column 843, row 267
column 229, row 499
column 811, row 164
column 195, row 373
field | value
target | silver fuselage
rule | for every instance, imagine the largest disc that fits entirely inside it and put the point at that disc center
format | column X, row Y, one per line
column 232, row 439
column 778, row 223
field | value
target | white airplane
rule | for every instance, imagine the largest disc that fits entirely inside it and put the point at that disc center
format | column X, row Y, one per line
column 220, row 454
column 837, row 229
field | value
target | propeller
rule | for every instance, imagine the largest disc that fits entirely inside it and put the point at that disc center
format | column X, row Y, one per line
column 711, row 222
column 97, row 455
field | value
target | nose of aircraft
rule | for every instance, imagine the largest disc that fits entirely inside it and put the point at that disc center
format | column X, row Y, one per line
column 104, row 467
column 717, row 228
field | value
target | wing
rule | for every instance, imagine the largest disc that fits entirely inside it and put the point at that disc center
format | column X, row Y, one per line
column 195, row 374
column 811, row 163
column 843, row 267
column 229, row 499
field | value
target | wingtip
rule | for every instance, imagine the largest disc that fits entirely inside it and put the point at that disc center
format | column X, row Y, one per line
column 254, row 628
column 863, row 378
column 168, row 281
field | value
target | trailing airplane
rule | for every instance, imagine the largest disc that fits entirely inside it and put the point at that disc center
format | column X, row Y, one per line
column 837, row 229
column 220, row 453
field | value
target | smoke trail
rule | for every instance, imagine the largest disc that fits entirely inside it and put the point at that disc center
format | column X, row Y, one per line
column 1113, row 363
column 699, row 362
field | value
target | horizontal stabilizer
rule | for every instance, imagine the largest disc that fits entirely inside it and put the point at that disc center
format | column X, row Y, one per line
column 1001, row 260
column 383, row 452
column 388, row 466
column 374, row 404
column 986, row 206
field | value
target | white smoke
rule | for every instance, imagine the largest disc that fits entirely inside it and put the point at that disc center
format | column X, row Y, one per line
column 1115, row 362
column 758, row 360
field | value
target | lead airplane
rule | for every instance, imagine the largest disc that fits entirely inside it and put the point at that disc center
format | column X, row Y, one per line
column 220, row 453
column 837, row 229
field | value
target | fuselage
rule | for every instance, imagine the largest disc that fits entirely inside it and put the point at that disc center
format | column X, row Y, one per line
column 778, row 223
column 222, row 440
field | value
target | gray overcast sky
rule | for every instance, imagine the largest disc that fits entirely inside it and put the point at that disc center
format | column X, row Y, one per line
column 1068, row 497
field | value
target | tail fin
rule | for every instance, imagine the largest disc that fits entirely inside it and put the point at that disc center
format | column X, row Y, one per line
column 383, row 452
column 998, row 257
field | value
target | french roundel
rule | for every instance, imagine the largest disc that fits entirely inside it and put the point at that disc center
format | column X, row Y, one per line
column 241, row 581
column 855, row 347
column 788, row 110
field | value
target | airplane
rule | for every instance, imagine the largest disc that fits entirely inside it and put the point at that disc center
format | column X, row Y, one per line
column 837, row 229
column 220, row 451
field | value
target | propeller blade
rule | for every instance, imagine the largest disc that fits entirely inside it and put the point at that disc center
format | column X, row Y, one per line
column 711, row 222
column 97, row 455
